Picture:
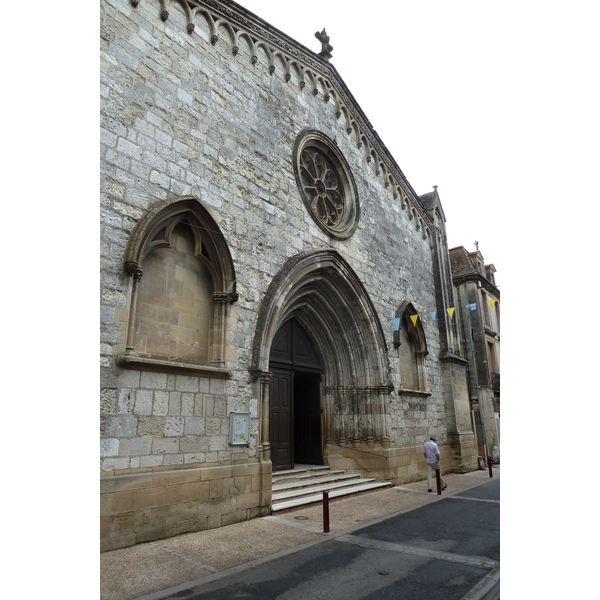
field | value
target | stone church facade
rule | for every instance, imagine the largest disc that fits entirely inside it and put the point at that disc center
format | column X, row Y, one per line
column 273, row 290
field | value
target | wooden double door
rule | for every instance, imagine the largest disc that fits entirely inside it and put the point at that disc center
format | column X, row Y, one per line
column 294, row 399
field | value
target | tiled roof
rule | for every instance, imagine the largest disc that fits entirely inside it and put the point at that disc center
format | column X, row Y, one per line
column 460, row 262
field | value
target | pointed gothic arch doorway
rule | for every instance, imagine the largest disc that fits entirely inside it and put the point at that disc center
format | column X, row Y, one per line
column 295, row 399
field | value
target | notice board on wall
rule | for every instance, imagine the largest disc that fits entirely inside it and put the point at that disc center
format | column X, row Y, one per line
column 239, row 429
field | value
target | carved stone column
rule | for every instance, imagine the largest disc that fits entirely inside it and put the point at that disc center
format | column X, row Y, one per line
column 329, row 401
column 382, row 392
column 220, row 301
column 353, row 395
column 132, row 268
column 369, row 413
column 340, row 402
column 265, row 445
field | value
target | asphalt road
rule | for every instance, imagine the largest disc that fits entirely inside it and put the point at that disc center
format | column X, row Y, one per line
column 442, row 550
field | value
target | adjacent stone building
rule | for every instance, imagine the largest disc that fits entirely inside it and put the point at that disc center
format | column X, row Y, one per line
column 273, row 290
column 478, row 300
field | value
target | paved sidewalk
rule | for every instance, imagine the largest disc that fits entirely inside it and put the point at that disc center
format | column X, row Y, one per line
column 132, row 573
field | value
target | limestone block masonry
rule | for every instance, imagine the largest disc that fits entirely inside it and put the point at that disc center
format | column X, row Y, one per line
column 201, row 105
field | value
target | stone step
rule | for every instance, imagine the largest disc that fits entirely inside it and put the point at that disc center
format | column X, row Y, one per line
column 294, row 502
column 296, row 483
column 299, row 474
column 319, row 487
column 288, row 472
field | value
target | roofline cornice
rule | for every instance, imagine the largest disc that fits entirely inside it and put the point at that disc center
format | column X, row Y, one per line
column 474, row 278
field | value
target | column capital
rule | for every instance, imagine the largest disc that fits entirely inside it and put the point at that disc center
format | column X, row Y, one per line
column 225, row 297
column 264, row 376
column 133, row 268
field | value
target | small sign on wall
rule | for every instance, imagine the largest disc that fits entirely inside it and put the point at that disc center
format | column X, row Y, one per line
column 239, row 429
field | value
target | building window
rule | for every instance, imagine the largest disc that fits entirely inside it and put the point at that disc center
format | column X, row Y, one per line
column 409, row 339
column 409, row 376
column 183, row 281
column 485, row 308
column 326, row 184
column 490, row 346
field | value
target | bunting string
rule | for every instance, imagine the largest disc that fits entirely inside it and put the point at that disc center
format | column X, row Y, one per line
column 433, row 314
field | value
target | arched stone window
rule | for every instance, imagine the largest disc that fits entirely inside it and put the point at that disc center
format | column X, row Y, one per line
column 409, row 339
column 183, row 281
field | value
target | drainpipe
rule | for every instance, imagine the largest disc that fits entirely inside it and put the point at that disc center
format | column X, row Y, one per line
column 471, row 307
column 468, row 366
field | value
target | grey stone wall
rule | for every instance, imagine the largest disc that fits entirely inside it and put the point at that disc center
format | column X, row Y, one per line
column 181, row 116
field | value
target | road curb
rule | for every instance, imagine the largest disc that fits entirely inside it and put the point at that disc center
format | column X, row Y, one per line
column 487, row 589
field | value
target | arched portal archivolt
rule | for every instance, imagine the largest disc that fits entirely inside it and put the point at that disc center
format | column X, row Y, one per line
column 321, row 291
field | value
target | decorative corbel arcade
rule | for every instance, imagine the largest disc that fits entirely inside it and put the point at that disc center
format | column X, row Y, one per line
column 295, row 64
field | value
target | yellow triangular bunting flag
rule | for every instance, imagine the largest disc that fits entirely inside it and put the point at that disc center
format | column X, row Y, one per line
column 450, row 312
column 491, row 303
column 414, row 318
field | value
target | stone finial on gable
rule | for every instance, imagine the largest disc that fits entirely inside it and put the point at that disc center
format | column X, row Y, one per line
column 326, row 48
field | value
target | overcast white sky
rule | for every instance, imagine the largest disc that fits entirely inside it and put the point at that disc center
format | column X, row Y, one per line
column 490, row 101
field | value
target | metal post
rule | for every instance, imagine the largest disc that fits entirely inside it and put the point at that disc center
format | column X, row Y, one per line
column 490, row 465
column 325, row 512
column 438, row 482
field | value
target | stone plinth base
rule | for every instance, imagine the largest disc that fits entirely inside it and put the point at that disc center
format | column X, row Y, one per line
column 401, row 465
column 143, row 505
column 464, row 452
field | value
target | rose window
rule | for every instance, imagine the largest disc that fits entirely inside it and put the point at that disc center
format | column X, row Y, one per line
column 322, row 187
column 326, row 184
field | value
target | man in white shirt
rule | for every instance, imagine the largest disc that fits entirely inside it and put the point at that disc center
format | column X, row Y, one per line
column 431, row 452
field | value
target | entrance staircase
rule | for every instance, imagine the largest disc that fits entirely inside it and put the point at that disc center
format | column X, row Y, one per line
column 305, row 485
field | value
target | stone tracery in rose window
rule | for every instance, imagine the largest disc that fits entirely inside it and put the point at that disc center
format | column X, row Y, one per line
column 322, row 187
column 326, row 184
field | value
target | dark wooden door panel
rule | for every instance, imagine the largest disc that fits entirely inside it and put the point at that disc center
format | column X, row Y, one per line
column 280, row 420
column 294, row 398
